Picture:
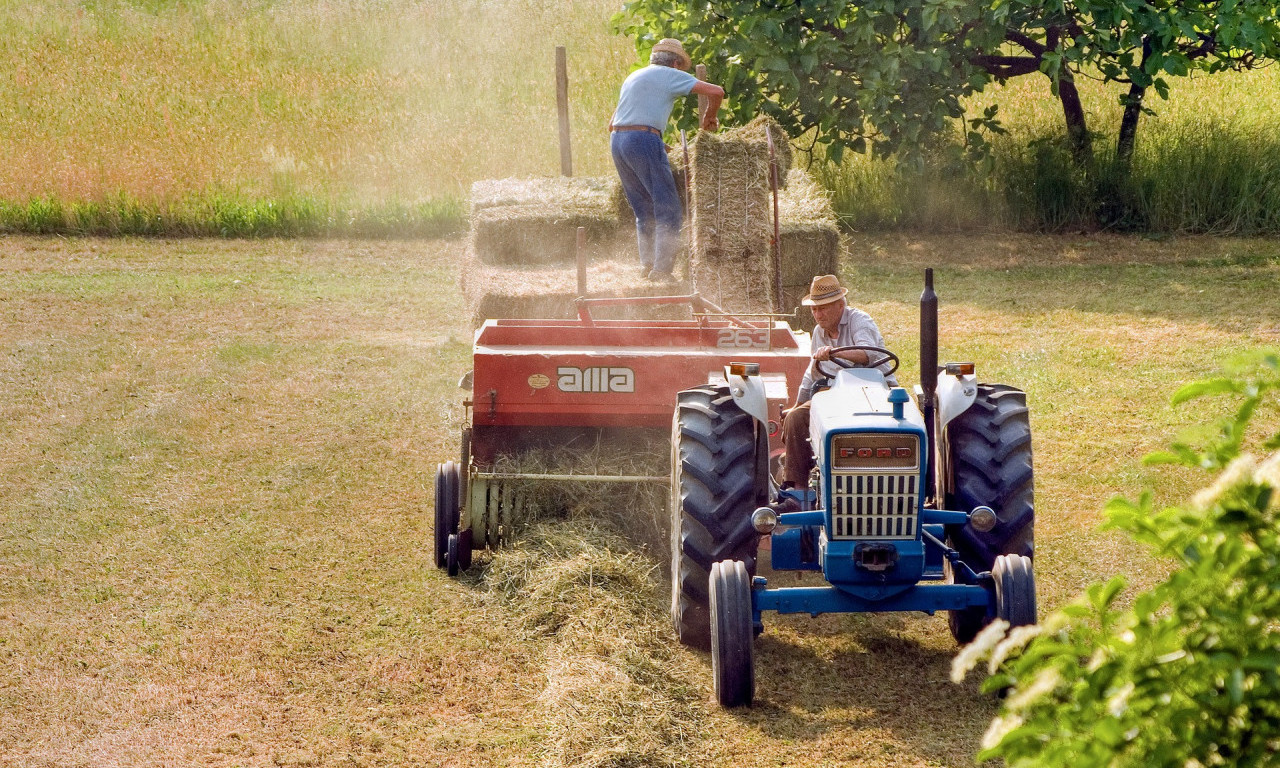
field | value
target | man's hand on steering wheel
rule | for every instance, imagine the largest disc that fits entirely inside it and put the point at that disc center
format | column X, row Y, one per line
column 833, row 356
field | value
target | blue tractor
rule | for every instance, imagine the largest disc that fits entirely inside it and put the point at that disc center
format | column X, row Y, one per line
column 920, row 504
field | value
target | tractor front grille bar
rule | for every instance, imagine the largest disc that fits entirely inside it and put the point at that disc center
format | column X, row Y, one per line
column 874, row 506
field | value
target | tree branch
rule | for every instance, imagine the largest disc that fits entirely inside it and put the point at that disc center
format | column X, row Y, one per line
column 1028, row 43
column 1005, row 67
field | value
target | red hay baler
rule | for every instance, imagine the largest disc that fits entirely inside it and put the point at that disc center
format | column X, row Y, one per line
column 534, row 381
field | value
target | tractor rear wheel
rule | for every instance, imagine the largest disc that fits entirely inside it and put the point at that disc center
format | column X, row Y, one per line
column 990, row 459
column 1015, row 590
column 718, row 479
column 447, row 509
column 732, row 655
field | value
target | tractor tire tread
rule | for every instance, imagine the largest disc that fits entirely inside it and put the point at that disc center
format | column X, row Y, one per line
column 991, row 462
column 714, row 492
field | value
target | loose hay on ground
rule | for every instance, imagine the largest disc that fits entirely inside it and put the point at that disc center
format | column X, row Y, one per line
column 618, row 690
column 637, row 510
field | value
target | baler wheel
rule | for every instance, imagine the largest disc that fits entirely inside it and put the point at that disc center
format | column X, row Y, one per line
column 451, row 556
column 1015, row 590
column 990, row 452
column 464, row 549
column 732, row 654
column 447, row 509
column 717, row 481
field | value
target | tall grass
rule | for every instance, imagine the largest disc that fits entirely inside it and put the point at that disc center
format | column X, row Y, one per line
column 294, row 116
column 315, row 116
column 1208, row 161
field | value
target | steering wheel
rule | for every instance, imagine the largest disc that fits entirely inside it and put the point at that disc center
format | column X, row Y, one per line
column 885, row 357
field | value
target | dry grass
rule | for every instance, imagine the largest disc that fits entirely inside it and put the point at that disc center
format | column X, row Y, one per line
column 367, row 102
column 214, row 505
column 618, row 692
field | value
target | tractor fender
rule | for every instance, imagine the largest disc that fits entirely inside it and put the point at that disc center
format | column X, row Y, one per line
column 749, row 395
column 954, row 396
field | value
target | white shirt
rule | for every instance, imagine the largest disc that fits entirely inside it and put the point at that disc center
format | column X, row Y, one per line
column 856, row 329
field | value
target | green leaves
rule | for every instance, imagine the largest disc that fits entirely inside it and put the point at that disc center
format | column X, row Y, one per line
column 855, row 77
column 1189, row 673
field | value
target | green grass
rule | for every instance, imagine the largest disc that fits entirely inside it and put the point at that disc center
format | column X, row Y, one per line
column 1206, row 162
column 296, row 117
column 215, row 501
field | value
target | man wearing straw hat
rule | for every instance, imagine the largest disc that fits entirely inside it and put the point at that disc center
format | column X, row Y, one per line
column 838, row 325
column 644, row 107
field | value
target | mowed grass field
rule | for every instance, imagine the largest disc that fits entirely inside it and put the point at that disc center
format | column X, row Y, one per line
column 215, row 505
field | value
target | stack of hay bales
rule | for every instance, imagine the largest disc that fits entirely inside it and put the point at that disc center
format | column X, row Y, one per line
column 521, row 257
column 731, row 263
column 810, row 240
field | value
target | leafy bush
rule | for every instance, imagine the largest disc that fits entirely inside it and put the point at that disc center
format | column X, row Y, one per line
column 1189, row 675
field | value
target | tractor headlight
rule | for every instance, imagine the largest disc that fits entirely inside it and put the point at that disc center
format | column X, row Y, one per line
column 764, row 520
column 983, row 519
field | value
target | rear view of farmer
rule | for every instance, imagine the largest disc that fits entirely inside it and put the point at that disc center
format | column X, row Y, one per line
column 644, row 107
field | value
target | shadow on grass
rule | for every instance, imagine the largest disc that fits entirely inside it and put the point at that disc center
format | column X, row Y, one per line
column 853, row 680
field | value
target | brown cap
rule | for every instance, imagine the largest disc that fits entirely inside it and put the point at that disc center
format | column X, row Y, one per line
column 823, row 290
column 672, row 45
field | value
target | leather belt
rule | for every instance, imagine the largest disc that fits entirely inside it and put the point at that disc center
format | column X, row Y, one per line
column 648, row 128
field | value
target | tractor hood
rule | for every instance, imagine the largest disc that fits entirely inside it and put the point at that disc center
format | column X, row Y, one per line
column 858, row 400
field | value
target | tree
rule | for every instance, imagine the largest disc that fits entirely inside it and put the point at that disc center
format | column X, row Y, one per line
column 1189, row 674
column 891, row 75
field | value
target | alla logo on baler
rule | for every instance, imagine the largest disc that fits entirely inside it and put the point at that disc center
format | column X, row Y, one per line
column 601, row 379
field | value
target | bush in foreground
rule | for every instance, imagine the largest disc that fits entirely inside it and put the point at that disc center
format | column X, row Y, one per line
column 1189, row 675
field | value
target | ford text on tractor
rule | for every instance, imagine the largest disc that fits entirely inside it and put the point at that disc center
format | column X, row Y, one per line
column 920, row 504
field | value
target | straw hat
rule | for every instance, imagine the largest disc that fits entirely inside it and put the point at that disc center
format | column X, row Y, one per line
column 672, row 45
column 823, row 290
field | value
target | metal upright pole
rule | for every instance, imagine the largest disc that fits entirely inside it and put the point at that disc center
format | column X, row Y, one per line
column 581, row 257
column 700, row 71
column 562, row 106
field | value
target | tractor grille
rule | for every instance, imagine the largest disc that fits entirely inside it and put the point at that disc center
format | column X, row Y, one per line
column 874, row 506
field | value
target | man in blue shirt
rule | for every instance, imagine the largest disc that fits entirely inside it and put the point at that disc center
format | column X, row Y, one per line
column 644, row 107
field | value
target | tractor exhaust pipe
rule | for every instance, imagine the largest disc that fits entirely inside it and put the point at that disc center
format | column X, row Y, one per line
column 929, row 373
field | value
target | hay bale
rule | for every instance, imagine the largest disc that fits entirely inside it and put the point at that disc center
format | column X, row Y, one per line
column 791, row 295
column 591, row 196
column 808, row 231
column 534, row 234
column 732, row 212
column 535, row 221
column 757, row 131
column 541, row 291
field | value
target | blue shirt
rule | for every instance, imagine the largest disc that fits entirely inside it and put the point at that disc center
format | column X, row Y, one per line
column 648, row 94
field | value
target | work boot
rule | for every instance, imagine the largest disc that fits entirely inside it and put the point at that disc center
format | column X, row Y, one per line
column 661, row 277
column 644, row 271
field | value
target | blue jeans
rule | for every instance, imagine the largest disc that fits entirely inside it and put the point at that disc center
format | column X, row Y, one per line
column 641, row 160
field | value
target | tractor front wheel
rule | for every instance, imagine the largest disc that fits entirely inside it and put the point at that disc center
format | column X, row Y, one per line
column 732, row 655
column 1015, row 590
column 717, row 481
column 990, row 460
